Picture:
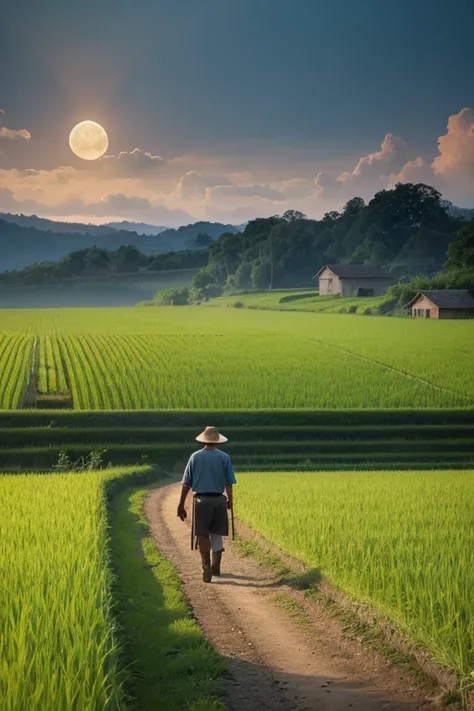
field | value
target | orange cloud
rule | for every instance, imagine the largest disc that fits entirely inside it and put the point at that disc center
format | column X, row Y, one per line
column 14, row 134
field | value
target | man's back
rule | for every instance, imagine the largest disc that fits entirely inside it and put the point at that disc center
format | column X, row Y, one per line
column 208, row 471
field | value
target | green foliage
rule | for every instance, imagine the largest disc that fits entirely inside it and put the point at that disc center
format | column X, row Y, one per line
column 399, row 541
column 92, row 461
column 95, row 262
column 461, row 251
column 296, row 297
column 408, row 227
column 402, row 293
column 172, row 297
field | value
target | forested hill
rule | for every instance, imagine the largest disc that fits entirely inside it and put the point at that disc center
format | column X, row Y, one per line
column 406, row 230
column 97, row 262
column 22, row 246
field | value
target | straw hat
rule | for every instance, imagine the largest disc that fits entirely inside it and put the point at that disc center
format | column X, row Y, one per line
column 211, row 436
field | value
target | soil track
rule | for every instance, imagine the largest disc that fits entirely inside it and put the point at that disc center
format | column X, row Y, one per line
column 274, row 662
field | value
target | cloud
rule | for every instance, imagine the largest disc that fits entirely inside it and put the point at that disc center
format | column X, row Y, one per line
column 371, row 173
column 392, row 155
column 130, row 162
column 414, row 171
column 193, row 184
column 452, row 170
column 230, row 192
column 140, row 185
column 14, row 134
column 456, row 148
column 7, row 200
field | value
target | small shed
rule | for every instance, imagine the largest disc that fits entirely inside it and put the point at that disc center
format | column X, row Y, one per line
column 352, row 280
column 442, row 303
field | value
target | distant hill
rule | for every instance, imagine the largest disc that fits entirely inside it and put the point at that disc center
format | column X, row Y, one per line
column 41, row 223
column 463, row 213
column 141, row 228
column 21, row 246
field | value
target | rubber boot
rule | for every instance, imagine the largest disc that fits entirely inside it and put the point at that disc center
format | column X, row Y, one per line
column 216, row 563
column 206, row 567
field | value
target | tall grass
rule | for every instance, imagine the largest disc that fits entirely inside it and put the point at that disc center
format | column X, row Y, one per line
column 58, row 645
column 402, row 541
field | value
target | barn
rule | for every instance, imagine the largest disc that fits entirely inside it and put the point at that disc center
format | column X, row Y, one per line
column 352, row 280
column 442, row 303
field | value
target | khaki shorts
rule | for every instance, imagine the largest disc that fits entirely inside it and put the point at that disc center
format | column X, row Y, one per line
column 210, row 515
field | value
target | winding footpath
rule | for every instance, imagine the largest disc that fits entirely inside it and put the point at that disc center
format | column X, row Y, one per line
column 273, row 662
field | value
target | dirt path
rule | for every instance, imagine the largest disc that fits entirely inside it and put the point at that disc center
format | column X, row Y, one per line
column 274, row 662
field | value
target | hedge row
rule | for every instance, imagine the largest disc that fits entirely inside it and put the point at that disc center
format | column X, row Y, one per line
column 198, row 419
column 45, row 436
column 170, row 456
column 94, row 440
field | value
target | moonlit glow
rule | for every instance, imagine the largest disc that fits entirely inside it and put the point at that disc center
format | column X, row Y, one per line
column 88, row 140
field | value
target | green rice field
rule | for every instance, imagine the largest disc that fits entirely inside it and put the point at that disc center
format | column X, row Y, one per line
column 402, row 542
column 198, row 358
column 58, row 647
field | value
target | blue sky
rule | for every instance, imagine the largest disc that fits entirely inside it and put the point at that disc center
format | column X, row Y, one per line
column 256, row 94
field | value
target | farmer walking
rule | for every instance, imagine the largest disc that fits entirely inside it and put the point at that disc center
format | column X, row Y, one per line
column 209, row 473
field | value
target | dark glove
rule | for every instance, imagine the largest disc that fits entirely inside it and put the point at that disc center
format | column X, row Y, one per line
column 182, row 514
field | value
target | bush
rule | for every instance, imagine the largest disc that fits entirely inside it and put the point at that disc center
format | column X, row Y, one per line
column 296, row 297
column 238, row 305
column 89, row 463
column 386, row 307
column 343, row 310
column 352, row 309
column 178, row 296
column 368, row 312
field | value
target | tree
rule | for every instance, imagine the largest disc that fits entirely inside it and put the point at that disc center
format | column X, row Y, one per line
column 293, row 216
column 203, row 240
column 127, row 259
column 260, row 274
column 97, row 261
column 461, row 251
column 331, row 216
column 353, row 207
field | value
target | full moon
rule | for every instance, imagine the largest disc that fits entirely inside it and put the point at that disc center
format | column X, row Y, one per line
column 88, row 140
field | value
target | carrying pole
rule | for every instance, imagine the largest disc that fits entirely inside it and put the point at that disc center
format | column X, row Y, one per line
column 192, row 525
column 232, row 519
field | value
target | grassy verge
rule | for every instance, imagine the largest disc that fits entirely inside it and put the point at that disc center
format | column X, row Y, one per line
column 298, row 300
column 171, row 665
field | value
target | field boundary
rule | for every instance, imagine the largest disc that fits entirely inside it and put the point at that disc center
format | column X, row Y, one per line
column 441, row 388
column 299, row 577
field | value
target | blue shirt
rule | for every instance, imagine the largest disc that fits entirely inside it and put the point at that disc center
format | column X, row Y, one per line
column 208, row 471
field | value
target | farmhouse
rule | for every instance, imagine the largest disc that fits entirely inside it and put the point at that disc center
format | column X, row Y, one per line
column 352, row 280
column 442, row 303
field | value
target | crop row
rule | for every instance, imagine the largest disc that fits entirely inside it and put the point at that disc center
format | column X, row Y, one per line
column 15, row 367
column 146, row 372
column 241, row 370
